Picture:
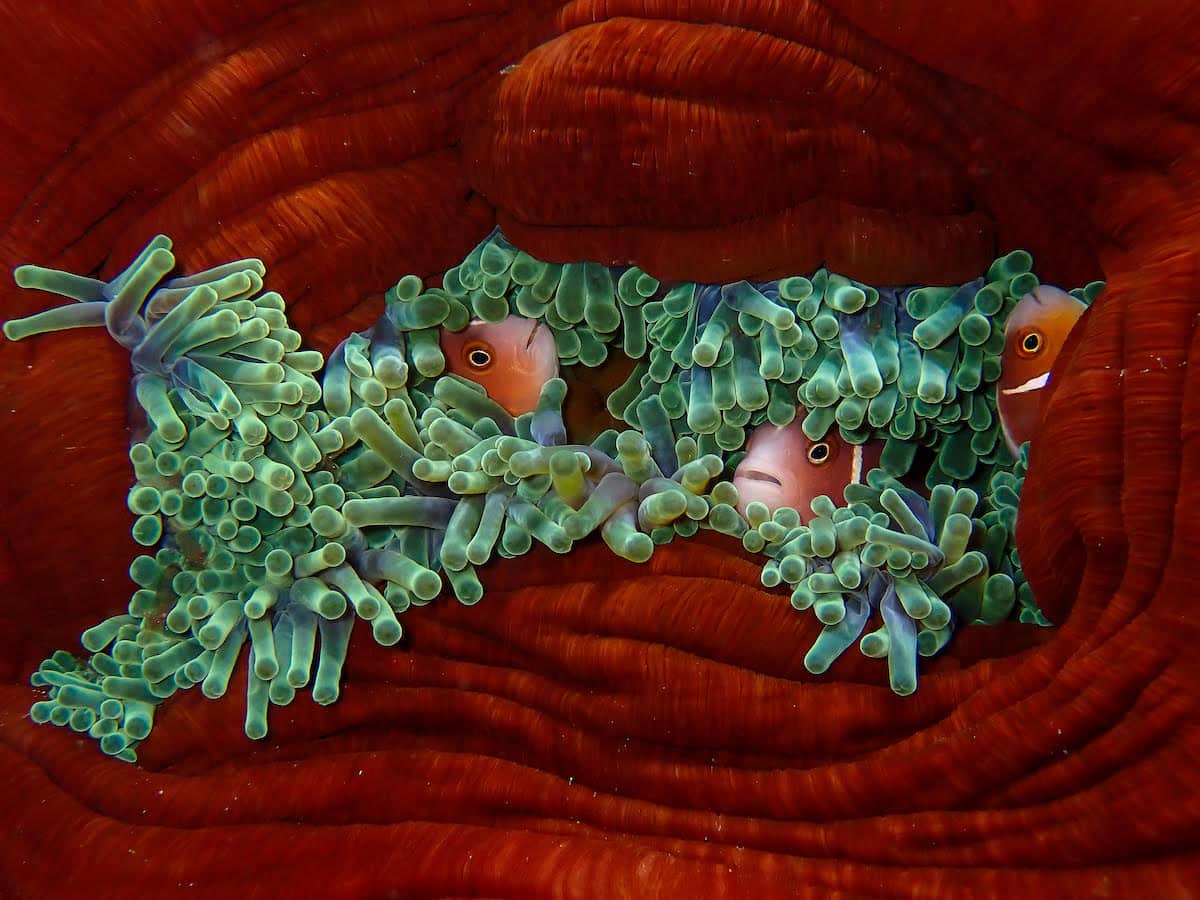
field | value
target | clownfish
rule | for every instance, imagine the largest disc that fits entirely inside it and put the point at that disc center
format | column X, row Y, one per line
column 1035, row 332
column 510, row 359
column 784, row 467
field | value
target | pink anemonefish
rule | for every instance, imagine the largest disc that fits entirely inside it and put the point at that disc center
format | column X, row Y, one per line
column 510, row 359
column 784, row 467
column 513, row 358
column 1035, row 332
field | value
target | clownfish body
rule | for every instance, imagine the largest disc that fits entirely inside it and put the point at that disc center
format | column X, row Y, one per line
column 1035, row 332
column 784, row 467
column 510, row 359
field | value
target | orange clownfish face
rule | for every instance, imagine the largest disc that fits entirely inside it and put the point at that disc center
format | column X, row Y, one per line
column 784, row 467
column 511, row 359
column 1035, row 332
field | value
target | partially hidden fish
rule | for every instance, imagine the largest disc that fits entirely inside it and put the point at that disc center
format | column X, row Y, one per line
column 784, row 467
column 510, row 359
column 1034, row 335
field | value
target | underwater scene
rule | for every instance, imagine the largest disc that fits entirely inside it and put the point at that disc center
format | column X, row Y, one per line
column 599, row 449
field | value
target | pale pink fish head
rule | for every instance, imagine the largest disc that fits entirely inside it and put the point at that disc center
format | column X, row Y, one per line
column 784, row 467
column 1036, row 330
column 510, row 359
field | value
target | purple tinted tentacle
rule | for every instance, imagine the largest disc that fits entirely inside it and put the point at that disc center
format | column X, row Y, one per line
column 835, row 639
column 902, row 637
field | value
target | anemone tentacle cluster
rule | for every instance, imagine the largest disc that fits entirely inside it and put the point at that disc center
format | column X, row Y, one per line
column 277, row 509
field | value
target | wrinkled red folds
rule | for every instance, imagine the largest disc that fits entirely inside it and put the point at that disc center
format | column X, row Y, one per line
column 596, row 728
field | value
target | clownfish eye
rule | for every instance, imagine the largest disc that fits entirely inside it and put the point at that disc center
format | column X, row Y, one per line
column 1030, row 343
column 478, row 355
column 818, row 453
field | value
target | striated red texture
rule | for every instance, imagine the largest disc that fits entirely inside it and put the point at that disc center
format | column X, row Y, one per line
column 594, row 728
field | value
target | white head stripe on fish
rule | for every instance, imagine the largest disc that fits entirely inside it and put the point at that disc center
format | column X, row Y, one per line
column 856, row 457
column 1036, row 383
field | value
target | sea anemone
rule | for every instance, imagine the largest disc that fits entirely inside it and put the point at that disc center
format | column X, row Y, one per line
column 281, row 508
column 594, row 726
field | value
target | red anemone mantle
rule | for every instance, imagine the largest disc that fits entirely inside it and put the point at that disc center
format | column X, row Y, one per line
column 593, row 728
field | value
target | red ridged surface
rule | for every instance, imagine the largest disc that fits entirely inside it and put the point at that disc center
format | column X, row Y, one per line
column 594, row 729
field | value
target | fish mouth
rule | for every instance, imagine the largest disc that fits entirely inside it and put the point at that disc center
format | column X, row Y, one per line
column 759, row 475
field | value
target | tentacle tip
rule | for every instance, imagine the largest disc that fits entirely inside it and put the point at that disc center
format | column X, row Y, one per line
column 818, row 662
column 26, row 276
